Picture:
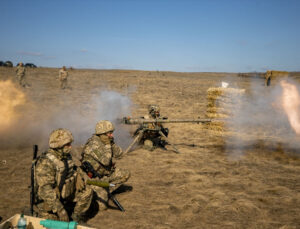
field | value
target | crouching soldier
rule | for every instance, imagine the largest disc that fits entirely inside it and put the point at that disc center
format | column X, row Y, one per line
column 98, row 161
column 61, row 190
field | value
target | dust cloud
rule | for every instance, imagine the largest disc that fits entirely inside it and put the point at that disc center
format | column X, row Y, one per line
column 291, row 104
column 262, row 117
column 27, row 123
column 10, row 99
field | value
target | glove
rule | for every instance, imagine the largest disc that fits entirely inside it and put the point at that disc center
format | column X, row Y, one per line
column 63, row 215
column 79, row 182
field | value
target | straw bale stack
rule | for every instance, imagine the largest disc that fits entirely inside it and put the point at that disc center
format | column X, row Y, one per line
column 221, row 104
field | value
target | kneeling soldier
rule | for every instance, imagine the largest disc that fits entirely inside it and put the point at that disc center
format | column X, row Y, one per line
column 98, row 159
column 61, row 191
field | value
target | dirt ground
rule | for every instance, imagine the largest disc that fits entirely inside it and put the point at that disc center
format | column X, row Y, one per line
column 205, row 186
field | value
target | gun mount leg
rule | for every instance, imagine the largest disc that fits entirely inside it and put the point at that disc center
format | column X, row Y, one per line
column 169, row 143
column 136, row 140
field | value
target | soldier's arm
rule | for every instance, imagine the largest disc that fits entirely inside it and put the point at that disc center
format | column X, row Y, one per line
column 117, row 151
column 90, row 159
column 99, row 153
column 106, row 155
column 45, row 177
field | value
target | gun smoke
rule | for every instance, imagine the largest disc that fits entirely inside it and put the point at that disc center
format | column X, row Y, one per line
column 264, row 116
column 28, row 123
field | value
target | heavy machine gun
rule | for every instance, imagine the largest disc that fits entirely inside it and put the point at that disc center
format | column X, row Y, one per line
column 155, row 126
column 133, row 121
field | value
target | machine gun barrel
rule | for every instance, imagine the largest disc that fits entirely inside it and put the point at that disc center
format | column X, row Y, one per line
column 132, row 121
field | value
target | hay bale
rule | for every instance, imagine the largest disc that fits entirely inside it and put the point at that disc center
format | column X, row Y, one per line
column 221, row 102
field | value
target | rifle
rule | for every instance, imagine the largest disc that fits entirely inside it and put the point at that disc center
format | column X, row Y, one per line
column 32, row 194
column 88, row 168
column 157, row 123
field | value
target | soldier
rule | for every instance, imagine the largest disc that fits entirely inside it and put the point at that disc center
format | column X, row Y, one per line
column 63, row 77
column 99, row 154
column 59, row 183
column 21, row 70
column 268, row 77
column 154, row 134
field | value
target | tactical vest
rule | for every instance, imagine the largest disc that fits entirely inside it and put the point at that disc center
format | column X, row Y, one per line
column 69, row 186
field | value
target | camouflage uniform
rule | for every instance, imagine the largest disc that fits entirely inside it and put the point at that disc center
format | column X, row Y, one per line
column 268, row 77
column 151, row 138
column 63, row 77
column 100, row 152
column 55, row 199
column 21, row 70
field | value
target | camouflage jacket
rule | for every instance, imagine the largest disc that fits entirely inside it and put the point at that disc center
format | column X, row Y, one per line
column 20, row 70
column 100, row 155
column 48, row 175
column 63, row 75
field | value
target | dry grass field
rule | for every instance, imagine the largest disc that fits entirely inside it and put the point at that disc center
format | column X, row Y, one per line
column 250, row 179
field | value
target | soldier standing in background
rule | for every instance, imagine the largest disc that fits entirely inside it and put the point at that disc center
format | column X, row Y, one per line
column 268, row 77
column 21, row 70
column 63, row 77
column 59, row 182
column 99, row 154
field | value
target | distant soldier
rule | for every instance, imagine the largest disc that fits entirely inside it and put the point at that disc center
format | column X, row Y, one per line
column 268, row 77
column 21, row 70
column 153, row 134
column 63, row 77
column 99, row 154
column 61, row 190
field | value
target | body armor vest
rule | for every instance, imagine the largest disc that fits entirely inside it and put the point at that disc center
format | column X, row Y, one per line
column 69, row 186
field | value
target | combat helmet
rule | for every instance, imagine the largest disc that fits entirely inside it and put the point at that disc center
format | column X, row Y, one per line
column 103, row 127
column 154, row 110
column 60, row 137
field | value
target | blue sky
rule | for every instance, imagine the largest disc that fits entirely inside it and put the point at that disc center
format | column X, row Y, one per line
column 170, row 35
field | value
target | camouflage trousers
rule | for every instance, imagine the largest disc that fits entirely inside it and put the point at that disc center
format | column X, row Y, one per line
column 153, row 143
column 63, row 83
column 82, row 201
column 118, row 177
column 22, row 81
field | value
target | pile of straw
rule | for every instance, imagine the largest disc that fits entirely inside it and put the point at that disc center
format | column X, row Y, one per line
column 221, row 103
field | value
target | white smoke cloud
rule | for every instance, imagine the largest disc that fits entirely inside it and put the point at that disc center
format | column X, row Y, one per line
column 260, row 117
column 36, row 124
